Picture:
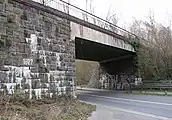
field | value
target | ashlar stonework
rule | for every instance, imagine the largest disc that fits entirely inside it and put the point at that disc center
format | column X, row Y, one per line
column 36, row 53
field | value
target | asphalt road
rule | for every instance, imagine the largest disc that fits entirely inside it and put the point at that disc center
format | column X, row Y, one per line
column 121, row 106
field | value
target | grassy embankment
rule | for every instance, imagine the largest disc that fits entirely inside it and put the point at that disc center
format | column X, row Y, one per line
column 17, row 108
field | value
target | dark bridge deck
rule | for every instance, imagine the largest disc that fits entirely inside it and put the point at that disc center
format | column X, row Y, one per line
column 93, row 51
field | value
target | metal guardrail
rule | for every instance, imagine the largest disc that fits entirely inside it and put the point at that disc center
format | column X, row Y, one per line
column 87, row 17
column 162, row 84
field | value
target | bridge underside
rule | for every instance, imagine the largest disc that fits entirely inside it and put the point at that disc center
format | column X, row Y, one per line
column 93, row 51
column 113, row 60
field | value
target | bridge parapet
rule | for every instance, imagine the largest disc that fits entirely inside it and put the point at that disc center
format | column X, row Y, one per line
column 74, row 11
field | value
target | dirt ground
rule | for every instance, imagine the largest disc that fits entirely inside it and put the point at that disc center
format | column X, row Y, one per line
column 15, row 108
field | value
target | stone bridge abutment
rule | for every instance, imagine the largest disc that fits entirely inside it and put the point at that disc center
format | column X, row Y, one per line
column 39, row 45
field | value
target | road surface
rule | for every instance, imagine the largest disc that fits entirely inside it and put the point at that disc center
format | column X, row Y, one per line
column 113, row 105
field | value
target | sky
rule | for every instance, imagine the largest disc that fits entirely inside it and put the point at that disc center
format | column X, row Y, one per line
column 127, row 10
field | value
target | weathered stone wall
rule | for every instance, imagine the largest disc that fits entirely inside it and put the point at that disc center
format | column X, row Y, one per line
column 36, row 53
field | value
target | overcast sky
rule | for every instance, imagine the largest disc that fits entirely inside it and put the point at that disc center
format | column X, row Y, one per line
column 126, row 10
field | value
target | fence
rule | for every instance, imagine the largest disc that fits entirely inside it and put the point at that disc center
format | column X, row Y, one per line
column 160, row 85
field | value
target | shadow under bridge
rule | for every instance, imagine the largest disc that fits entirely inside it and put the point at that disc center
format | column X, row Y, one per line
column 113, row 61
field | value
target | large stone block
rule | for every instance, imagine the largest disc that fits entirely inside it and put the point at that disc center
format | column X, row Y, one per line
column 9, row 7
column 11, row 25
column 11, row 18
column 42, row 69
column 9, row 31
column 3, row 30
column 8, row 61
column 36, row 84
column 34, row 69
column 17, row 10
column 2, row 1
column 1, row 7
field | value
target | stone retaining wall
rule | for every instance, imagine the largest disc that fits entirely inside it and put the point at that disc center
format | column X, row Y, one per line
column 36, row 53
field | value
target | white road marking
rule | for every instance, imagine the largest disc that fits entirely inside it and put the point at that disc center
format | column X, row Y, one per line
column 131, row 100
column 132, row 112
column 141, row 113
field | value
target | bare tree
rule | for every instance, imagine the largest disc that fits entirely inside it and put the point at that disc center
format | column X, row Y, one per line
column 43, row 2
column 89, row 6
column 154, row 60
column 112, row 18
